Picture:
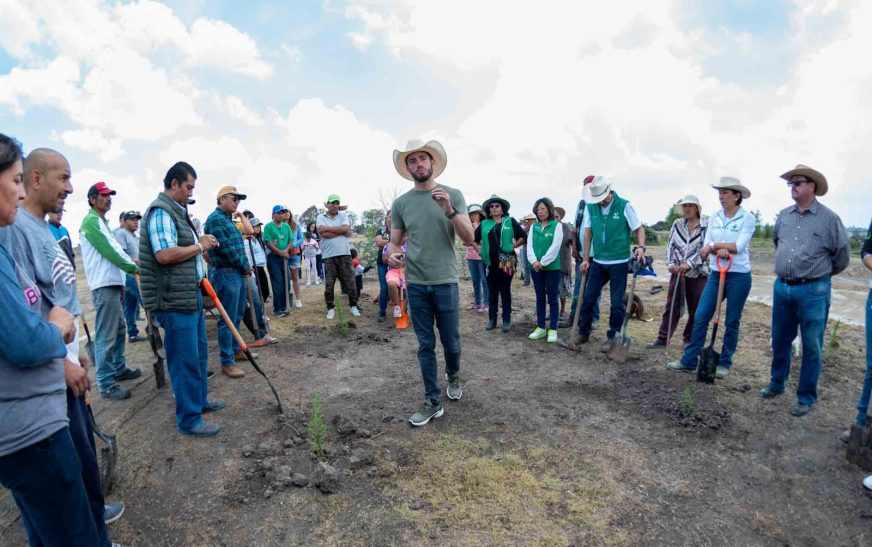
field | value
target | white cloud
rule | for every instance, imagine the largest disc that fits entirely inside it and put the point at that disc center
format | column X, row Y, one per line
column 88, row 140
column 292, row 52
column 239, row 111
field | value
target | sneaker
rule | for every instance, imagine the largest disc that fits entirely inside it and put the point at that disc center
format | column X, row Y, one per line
column 233, row 371
column 552, row 336
column 128, row 374
column 355, row 311
column 656, row 344
column 283, row 313
column 538, row 334
column 242, row 357
column 265, row 341
column 427, row 412
column 298, row 303
column 318, row 282
column 800, row 409
column 722, row 372
column 308, row 283
column 679, row 366
column 214, row 405
column 846, row 434
column 136, row 338
column 474, row 306
column 205, row 429
column 767, row 393
column 454, row 390
column 580, row 339
column 116, row 393
column 507, row 326
column 331, row 313
column 210, row 374
column 484, row 308
column 112, row 512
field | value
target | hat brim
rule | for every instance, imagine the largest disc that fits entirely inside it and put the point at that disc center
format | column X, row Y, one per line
column 589, row 196
column 679, row 208
column 735, row 188
column 486, row 206
column 341, row 207
column 431, row 147
column 821, row 185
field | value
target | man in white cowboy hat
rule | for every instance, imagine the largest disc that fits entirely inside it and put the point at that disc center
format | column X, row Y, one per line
column 430, row 215
column 608, row 227
column 811, row 246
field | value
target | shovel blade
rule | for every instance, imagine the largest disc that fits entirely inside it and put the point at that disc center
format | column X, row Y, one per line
column 860, row 446
column 708, row 365
column 620, row 349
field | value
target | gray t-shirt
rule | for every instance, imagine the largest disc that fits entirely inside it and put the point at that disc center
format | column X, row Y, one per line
column 39, row 257
column 129, row 242
column 336, row 246
column 431, row 258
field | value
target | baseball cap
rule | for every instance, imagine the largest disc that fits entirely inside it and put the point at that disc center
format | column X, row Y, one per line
column 101, row 189
column 255, row 222
column 333, row 197
column 279, row 209
column 127, row 215
column 230, row 190
column 588, row 179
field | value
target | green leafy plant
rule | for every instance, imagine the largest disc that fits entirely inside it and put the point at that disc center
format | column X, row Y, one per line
column 317, row 429
column 687, row 401
column 833, row 341
column 340, row 318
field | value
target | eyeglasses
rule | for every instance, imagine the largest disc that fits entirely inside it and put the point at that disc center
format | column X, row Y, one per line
column 234, row 197
column 492, row 205
column 797, row 182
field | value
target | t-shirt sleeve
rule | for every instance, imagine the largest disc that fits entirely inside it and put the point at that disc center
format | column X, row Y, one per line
column 632, row 217
column 518, row 230
column 397, row 217
column 585, row 224
column 270, row 233
column 458, row 201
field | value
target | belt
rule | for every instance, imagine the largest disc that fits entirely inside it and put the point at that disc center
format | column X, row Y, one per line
column 799, row 281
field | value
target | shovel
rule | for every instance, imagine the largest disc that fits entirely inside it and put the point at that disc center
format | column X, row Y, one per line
column 288, row 294
column 679, row 284
column 579, row 301
column 860, row 445
column 621, row 344
column 402, row 321
column 156, row 343
column 207, row 286
column 108, row 453
column 708, row 361
column 259, row 293
column 89, row 345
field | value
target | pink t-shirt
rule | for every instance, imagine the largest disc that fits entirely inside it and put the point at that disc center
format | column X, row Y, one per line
column 471, row 253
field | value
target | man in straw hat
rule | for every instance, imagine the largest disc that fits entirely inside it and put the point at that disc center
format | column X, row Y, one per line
column 810, row 247
column 334, row 228
column 608, row 226
column 430, row 214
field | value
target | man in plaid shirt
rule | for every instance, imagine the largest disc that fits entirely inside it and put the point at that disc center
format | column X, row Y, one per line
column 228, row 269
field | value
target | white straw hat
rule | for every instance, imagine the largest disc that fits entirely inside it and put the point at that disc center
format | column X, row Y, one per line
column 440, row 158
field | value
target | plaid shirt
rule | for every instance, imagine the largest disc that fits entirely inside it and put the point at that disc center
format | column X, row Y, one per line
column 163, row 235
column 230, row 252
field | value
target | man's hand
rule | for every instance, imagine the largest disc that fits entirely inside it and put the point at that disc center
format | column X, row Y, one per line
column 441, row 197
column 639, row 251
column 208, row 241
column 76, row 378
column 64, row 321
column 397, row 260
column 585, row 264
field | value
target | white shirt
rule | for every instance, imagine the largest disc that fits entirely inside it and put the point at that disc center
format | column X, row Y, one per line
column 738, row 230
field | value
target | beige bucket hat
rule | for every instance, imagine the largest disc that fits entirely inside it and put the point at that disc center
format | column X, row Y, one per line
column 734, row 184
column 597, row 190
column 813, row 175
column 436, row 151
column 689, row 199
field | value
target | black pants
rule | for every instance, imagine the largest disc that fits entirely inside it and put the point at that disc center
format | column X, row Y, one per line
column 83, row 441
column 499, row 286
column 263, row 282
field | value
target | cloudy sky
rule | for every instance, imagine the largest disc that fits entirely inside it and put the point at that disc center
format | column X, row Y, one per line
column 291, row 101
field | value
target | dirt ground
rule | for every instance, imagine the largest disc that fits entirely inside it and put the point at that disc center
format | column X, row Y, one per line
column 546, row 446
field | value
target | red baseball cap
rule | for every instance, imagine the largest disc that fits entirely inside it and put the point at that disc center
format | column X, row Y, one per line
column 100, row 189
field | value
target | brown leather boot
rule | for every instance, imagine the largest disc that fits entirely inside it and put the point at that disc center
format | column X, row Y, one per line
column 233, row 371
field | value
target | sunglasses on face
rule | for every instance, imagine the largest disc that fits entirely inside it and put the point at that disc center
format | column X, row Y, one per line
column 494, row 205
column 797, row 183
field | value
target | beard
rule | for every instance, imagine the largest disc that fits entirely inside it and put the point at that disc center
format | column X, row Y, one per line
column 423, row 178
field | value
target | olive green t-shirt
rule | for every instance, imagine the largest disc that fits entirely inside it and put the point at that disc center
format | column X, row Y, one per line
column 431, row 258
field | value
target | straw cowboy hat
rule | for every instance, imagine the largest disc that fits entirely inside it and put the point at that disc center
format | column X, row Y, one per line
column 734, row 184
column 529, row 216
column 820, row 181
column 495, row 199
column 597, row 190
column 475, row 208
column 431, row 147
column 689, row 199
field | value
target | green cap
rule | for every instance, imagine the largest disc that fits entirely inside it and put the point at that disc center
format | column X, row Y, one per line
column 333, row 197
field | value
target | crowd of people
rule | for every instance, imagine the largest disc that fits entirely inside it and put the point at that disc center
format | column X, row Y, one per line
column 154, row 260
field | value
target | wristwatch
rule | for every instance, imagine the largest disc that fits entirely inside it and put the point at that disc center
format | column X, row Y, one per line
column 453, row 213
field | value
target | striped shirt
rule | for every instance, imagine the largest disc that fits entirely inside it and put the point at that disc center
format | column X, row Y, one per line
column 684, row 246
column 163, row 236
column 809, row 244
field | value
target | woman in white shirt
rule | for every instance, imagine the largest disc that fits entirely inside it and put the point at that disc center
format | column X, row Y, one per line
column 729, row 234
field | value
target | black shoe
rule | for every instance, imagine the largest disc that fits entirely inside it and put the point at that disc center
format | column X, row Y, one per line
column 767, row 393
column 116, row 393
column 381, row 318
column 800, row 409
column 491, row 324
column 136, row 338
column 655, row 344
column 210, row 374
column 507, row 326
column 128, row 374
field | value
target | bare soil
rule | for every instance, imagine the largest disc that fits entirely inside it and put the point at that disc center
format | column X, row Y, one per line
column 546, row 446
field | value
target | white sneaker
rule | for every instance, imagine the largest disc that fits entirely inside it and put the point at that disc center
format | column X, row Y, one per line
column 355, row 311
column 331, row 313
column 318, row 282
column 308, row 283
column 298, row 303
column 398, row 312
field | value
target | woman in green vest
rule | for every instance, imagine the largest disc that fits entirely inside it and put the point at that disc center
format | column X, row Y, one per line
column 499, row 235
column 543, row 252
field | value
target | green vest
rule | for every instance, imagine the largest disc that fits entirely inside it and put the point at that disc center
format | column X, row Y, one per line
column 542, row 240
column 172, row 287
column 507, row 238
column 611, row 236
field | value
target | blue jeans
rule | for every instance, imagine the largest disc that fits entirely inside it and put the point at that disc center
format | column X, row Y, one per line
column 83, row 440
column 109, row 332
column 546, row 283
column 442, row 304
column 132, row 301
column 597, row 276
column 187, row 361
column 863, row 403
column 382, row 287
column 481, row 293
column 230, row 288
column 46, row 482
column 736, row 289
column 575, row 290
column 805, row 307
column 275, row 266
